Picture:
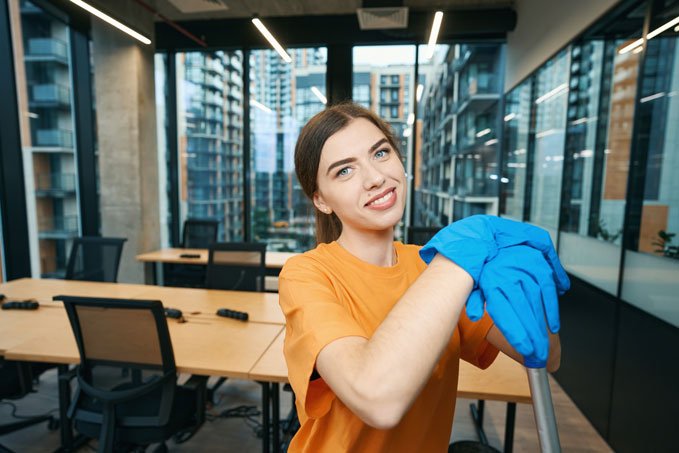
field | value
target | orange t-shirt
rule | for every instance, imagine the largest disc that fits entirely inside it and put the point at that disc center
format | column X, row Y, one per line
column 327, row 294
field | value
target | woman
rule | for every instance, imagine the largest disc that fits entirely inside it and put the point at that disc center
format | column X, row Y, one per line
column 373, row 335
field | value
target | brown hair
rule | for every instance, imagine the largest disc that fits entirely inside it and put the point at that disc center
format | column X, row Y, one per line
column 310, row 143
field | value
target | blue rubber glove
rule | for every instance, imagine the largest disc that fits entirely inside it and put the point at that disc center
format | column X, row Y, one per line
column 520, row 293
column 473, row 241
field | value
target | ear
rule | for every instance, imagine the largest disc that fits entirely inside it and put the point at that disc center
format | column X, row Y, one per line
column 320, row 204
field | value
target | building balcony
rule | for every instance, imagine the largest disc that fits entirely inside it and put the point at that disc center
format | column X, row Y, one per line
column 46, row 49
column 53, row 138
column 47, row 95
column 56, row 185
column 58, row 227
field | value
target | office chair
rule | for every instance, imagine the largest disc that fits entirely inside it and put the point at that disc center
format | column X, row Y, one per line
column 238, row 266
column 420, row 235
column 95, row 259
column 16, row 381
column 149, row 407
column 199, row 233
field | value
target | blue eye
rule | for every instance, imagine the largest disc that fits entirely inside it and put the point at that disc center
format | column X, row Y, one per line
column 343, row 172
column 382, row 153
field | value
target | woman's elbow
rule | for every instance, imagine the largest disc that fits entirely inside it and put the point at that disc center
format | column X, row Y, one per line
column 379, row 412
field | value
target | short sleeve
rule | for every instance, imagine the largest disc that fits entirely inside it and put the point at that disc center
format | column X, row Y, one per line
column 474, row 348
column 314, row 318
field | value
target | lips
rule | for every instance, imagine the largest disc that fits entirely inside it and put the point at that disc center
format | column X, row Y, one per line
column 390, row 199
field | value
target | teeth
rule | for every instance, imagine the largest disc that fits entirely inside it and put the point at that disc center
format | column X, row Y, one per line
column 383, row 199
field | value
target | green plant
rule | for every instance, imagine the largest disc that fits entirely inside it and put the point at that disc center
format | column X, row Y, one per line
column 664, row 240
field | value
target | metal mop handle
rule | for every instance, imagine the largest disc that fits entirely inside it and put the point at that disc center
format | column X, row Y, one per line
column 543, row 410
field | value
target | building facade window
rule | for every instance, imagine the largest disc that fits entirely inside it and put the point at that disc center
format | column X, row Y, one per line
column 42, row 55
column 282, row 99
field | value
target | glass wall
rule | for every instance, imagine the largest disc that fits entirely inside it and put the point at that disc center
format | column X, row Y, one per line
column 550, row 98
column 42, row 61
column 652, row 264
column 517, row 124
column 283, row 97
column 210, row 139
column 456, row 163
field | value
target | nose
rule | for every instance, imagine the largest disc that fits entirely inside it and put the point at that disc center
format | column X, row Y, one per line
column 373, row 177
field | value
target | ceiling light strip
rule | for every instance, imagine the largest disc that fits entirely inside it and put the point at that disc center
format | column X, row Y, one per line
column 108, row 19
column 269, row 37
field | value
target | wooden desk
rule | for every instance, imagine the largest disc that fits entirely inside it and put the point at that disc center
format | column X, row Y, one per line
column 261, row 307
column 153, row 262
column 204, row 345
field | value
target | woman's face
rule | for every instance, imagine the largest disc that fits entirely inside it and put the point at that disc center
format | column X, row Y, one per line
column 361, row 178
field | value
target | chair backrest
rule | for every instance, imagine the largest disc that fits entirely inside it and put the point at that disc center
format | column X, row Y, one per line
column 125, row 333
column 421, row 235
column 95, row 259
column 199, row 233
column 237, row 266
column 113, row 335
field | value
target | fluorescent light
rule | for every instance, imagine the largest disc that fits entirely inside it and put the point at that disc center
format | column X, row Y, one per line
column 638, row 49
column 435, row 27
column 550, row 94
column 483, row 132
column 492, row 141
column 269, row 37
column 662, row 28
column 33, row 115
column 676, row 28
column 319, row 95
column 504, row 180
column 493, row 177
column 407, row 132
column 652, row 97
column 631, row 46
column 260, row 106
column 106, row 18
column 510, row 116
column 420, row 89
column 411, row 118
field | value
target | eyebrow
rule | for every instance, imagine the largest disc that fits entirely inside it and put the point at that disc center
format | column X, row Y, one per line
column 352, row 159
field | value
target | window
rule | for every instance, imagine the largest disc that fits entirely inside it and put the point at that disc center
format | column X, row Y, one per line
column 550, row 99
column 516, row 121
column 210, row 139
column 282, row 99
column 48, row 139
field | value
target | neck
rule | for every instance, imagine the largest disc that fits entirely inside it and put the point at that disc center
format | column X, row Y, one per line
column 374, row 247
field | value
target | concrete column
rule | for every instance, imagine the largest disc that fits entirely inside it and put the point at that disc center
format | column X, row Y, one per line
column 126, row 131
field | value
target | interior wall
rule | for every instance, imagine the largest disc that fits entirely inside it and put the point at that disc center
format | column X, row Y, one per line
column 544, row 27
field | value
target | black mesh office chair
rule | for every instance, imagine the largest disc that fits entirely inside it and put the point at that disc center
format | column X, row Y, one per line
column 420, row 235
column 199, row 233
column 95, row 259
column 149, row 406
column 16, row 381
column 238, row 266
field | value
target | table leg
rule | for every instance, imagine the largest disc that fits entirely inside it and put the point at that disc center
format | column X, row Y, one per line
column 150, row 273
column 64, row 401
column 509, row 427
column 276, row 416
column 477, row 417
column 266, row 432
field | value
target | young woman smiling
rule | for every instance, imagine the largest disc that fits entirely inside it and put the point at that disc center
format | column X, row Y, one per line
column 373, row 335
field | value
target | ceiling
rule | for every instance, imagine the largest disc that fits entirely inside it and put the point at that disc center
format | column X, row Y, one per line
column 220, row 9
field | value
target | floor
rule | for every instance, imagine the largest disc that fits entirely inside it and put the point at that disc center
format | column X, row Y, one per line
column 239, row 435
